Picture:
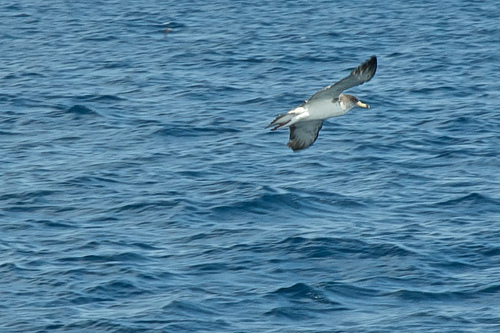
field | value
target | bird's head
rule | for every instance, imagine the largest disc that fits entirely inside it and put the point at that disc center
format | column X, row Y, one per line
column 349, row 101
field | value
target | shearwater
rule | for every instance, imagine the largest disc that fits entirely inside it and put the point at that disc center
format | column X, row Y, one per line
column 305, row 121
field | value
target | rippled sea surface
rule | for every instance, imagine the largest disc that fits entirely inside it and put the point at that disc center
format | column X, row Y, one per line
column 140, row 191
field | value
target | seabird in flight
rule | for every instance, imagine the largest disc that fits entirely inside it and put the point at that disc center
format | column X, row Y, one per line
column 305, row 121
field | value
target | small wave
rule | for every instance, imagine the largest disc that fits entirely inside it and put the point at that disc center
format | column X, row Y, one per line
column 104, row 38
column 305, row 292
column 301, row 302
column 188, row 308
column 96, row 325
column 421, row 295
column 193, row 131
column 82, row 300
column 431, row 90
column 129, row 257
column 81, row 110
column 213, row 267
column 16, row 7
column 492, row 289
column 115, row 289
column 56, row 224
column 11, row 267
column 290, row 312
column 324, row 247
column 261, row 204
column 147, row 205
column 350, row 291
column 288, row 203
column 106, row 98
column 170, row 24
column 475, row 200
column 297, row 290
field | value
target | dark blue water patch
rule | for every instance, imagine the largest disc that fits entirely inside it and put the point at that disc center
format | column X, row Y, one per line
column 174, row 25
column 28, row 202
column 29, row 197
column 91, row 181
column 103, row 325
column 176, row 130
column 101, row 36
column 261, row 205
column 33, row 75
column 472, row 202
column 185, row 315
column 453, row 265
column 61, row 224
column 212, row 267
column 492, row 289
column 139, row 207
column 81, row 110
column 14, row 7
column 343, row 248
column 105, row 98
column 112, row 259
column 116, row 289
column 493, row 251
column 442, row 296
column 291, row 313
column 189, row 308
column 79, row 300
column 12, row 268
column 4, row 98
column 301, row 302
column 292, row 202
column 179, row 324
column 347, row 291
column 20, row 75
column 301, row 292
column 115, row 64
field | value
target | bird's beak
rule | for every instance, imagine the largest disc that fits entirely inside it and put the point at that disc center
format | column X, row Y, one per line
column 362, row 105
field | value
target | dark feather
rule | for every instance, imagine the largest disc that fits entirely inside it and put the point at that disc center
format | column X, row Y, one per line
column 363, row 73
column 304, row 134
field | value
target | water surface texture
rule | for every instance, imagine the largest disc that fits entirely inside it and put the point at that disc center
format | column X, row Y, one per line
column 140, row 191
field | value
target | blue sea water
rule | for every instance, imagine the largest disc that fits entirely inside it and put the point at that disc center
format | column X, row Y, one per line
column 140, row 191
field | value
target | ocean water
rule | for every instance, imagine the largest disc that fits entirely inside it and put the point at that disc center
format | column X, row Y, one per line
column 140, row 191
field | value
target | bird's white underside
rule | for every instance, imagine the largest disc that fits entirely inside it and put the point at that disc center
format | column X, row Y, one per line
column 317, row 110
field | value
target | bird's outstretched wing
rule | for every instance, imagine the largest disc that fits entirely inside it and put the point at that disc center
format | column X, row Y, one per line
column 363, row 73
column 304, row 133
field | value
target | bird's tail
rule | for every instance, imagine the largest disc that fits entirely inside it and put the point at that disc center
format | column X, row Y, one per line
column 280, row 121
